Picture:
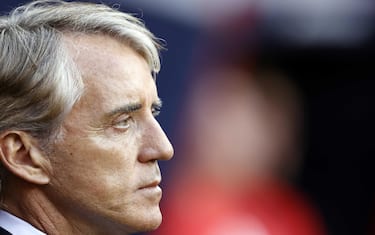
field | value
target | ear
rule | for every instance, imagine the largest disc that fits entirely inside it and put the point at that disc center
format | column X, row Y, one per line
column 21, row 155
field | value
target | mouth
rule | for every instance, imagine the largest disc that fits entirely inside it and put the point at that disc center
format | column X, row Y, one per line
column 152, row 191
column 153, row 184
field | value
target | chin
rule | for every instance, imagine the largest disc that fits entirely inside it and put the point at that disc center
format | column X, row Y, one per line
column 149, row 221
column 151, row 226
column 154, row 221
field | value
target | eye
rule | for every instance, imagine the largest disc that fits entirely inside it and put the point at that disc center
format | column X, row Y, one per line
column 123, row 123
column 155, row 111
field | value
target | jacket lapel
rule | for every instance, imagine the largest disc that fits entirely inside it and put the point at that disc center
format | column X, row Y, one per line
column 4, row 232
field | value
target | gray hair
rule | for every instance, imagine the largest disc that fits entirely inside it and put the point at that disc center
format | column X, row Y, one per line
column 39, row 83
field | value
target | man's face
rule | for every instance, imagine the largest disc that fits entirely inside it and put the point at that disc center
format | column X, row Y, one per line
column 104, row 167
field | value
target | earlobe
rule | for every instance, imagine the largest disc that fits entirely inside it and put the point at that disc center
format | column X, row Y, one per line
column 21, row 156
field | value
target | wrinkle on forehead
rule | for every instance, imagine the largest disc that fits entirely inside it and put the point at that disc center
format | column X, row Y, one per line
column 87, row 49
column 88, row 52
column 113, row 74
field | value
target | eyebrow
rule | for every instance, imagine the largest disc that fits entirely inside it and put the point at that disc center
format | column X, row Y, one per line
column 129, row 108
column 133, row 107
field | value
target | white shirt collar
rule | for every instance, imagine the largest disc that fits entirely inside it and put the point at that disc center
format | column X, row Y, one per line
column 17, row 226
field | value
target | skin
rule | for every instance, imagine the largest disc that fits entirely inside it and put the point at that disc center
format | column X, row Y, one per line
column 102, row 175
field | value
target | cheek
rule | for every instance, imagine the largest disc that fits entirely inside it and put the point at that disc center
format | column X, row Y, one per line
column 97, row 170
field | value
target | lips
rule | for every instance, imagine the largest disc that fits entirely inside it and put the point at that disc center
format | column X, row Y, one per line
column 152, row 184
column 151, row 191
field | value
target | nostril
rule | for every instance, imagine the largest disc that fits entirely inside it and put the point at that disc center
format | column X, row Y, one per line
column 156, row 149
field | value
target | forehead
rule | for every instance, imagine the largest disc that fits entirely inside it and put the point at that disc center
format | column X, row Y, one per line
column 112, row 72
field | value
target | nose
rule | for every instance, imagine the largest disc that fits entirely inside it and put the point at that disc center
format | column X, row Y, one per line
column 155, row 144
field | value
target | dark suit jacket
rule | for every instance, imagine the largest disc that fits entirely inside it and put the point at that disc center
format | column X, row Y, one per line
column 4, row 232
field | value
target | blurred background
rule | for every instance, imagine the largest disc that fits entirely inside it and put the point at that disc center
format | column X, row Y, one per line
column 270, row 107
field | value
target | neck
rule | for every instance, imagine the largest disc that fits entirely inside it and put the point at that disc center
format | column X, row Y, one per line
column 31, row 204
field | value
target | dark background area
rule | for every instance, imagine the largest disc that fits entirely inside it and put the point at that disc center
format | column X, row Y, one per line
column 338, row 89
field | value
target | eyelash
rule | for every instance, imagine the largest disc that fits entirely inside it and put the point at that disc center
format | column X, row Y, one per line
column 156, row 111
column 126, row 121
